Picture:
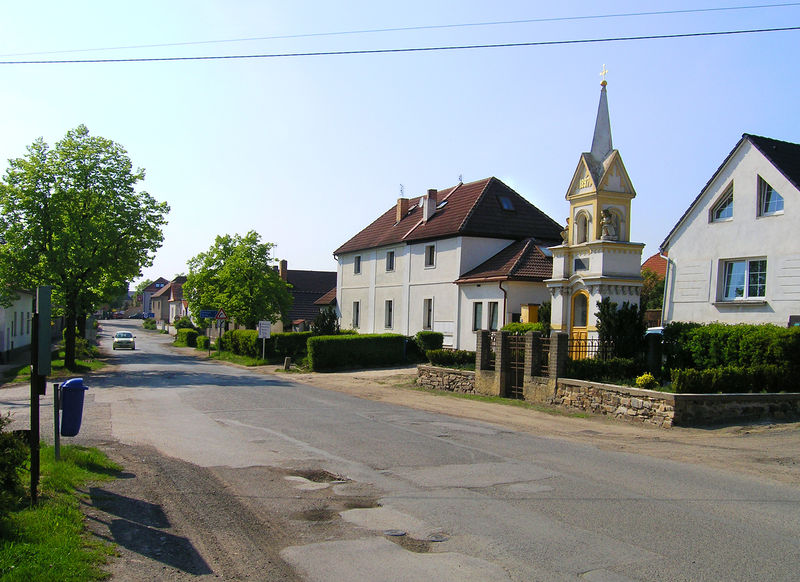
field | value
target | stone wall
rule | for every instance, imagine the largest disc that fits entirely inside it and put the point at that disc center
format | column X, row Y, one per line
column 627, row 404
column 619, row 402
column 462, row 381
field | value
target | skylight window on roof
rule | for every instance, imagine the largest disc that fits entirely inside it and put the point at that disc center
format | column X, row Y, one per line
column 545, row 251
column 506, row 203
column 441, row 205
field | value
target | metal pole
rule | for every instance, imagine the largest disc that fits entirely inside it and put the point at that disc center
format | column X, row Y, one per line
column 57, row 419
column 34, row 436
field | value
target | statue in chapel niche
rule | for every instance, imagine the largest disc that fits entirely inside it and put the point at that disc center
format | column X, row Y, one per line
column 565, row 233
column 608, row 226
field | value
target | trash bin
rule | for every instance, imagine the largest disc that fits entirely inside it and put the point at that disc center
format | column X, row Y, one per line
column 72, row 392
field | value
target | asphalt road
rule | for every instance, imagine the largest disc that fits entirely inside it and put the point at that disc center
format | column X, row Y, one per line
column 476, row 501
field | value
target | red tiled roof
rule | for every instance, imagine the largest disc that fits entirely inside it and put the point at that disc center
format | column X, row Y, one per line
column 327, row 299
column 472, row 209
column 522, row 260
column 657, row 264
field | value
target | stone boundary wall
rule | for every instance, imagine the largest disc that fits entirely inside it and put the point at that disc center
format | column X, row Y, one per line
column 449, row 379
column 662, row 409
column 620, row 402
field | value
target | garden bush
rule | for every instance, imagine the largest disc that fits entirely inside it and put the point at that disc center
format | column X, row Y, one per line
column 329, row 352
column 203, row 342
column 732, row 379
column 186, row 337
column 184, row 323
column 429, row 340
column 647, row 381
column 149, row 323
column 291, row 344
column 518, row 328
column 718, row 345
column 13, row 455
column 451, row 358
column 610, row 370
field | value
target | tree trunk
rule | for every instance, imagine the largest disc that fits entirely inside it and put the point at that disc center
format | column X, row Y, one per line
column 80, row 323
column 69, row 341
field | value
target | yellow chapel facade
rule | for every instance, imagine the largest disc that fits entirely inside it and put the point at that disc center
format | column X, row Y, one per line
column 596, row 259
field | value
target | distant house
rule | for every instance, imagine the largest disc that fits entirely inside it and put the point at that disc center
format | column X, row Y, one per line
column 167, row 303
column 734, row 255
column 472, row 256
column 306, row 288
column 15, row 328
column 149, row 291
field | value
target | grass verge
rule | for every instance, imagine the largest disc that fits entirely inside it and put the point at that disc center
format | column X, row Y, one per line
column 48, row 542
column 22, row 374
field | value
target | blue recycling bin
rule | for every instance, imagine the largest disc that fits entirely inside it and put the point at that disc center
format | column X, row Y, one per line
column 72, row 392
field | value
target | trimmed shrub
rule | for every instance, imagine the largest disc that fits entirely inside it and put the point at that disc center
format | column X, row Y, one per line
column 149, row 323
column 610, row 370
column 451, row 358
column 291, row 344
column 203, row 342
column 329, row 352
column 184, row 323
column 518, row 328
column 733, row 379
column 186, row 337
column 429, row 340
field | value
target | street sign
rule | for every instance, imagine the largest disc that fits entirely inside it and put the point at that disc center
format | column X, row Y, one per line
column 264, row 329
column 221, row 315
column 208, row 313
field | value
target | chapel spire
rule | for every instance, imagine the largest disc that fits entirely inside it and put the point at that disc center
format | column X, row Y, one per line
column 601, row 142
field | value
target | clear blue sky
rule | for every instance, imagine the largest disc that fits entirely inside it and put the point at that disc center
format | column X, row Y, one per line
column 308, row 150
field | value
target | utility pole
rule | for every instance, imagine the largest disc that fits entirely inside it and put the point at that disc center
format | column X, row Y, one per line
column 40, row 368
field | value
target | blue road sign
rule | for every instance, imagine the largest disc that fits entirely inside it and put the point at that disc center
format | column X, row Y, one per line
column 208, row 313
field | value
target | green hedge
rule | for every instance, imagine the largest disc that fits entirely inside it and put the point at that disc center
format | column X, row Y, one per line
column 203, row 342
column 610, row 370
column 245, row 342
column 329, row 352
column 716, row 345
column 451, row 358
column 186, row 337
column 518, row 328
column 429, row 340
column 149, row 323
column 733, row 379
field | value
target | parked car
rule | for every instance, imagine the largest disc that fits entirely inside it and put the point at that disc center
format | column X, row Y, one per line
column 124, row 340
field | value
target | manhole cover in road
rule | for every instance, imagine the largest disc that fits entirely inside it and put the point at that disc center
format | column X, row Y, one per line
column 394, row 532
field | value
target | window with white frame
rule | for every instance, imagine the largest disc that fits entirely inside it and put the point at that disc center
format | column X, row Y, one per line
column 427, row 313
column 477, row 315
column 769, row 201
column 356, row 314
column 357, row 265
column 388, row 314
column 723, row 208
column 430, row 256
column 744, row 279
column 494, row 315
column 390, row 260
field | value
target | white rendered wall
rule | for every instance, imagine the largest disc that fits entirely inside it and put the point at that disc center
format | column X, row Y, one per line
column 698, row 248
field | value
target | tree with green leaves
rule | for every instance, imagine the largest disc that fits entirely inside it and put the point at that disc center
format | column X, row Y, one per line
column 236, row 274
column 623, row 327
column 71, row 217
column 652, row 295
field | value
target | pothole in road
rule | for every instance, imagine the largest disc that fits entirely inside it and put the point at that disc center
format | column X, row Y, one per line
column 360, row 503
column 319, row 476
column 410, row 544
column 316, row 515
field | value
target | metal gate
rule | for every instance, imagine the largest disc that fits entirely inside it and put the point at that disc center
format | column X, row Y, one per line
column 516, row 368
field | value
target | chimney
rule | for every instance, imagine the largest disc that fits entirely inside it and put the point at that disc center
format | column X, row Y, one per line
column 282, row 269
column 429, row 204
column 402, row 208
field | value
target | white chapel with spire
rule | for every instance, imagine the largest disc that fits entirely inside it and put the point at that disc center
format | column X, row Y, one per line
column 596, row 259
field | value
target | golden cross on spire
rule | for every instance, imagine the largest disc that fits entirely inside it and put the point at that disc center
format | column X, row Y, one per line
column 603, row 74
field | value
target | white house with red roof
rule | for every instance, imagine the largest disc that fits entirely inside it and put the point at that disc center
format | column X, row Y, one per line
column 734, row 255
column 455, row 260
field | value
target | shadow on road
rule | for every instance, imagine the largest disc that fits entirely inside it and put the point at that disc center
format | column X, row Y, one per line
column 139, row 527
